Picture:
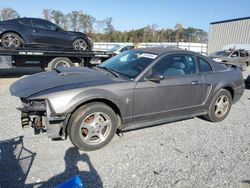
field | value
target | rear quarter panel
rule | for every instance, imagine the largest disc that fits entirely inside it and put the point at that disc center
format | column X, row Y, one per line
column 231, row 78
column 16, row 28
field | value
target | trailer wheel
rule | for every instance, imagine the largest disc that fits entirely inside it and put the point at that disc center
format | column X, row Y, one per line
column 60, row 62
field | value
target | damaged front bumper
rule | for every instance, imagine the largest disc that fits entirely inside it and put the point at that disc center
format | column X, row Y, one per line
column 39, row 115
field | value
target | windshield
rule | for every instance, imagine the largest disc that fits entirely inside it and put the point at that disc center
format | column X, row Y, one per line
column 129, row 63
column 220, row 53
column 116, row 47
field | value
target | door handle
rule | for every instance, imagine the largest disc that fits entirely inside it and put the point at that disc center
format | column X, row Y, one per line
column 195, row 82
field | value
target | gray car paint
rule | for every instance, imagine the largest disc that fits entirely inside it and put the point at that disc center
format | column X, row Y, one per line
column 232, row 60
column 137, row 100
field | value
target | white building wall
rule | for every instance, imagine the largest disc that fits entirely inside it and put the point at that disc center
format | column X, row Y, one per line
column 228, row 32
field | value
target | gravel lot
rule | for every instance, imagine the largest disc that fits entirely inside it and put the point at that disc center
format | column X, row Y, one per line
column 190, row 153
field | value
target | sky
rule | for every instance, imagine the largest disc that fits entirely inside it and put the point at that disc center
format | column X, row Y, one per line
column 134, row 14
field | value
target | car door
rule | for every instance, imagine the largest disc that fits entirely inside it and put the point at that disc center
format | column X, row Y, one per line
column 180, row 92
column 243, row 57
column 26, row 29
column 47, row 33
column 235, row 57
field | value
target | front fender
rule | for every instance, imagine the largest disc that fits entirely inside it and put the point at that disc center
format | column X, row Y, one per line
column 89, row 95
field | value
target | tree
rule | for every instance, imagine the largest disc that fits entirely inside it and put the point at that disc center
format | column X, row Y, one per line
column 86, row 22
column 64, row 22
column 57, row 16
column 109, row 26
column 8, row 13
column 188, row 34
column 201, row 36
column 100, row 26
column 110, row 30
column 178, row 31
column 47, row 14
column 73, row 17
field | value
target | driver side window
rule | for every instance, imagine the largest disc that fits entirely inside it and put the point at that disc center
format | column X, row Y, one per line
column 175, row 65
column 42, row 24
column 235, row 54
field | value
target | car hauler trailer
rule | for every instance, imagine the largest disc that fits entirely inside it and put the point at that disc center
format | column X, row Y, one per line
column 51, row 58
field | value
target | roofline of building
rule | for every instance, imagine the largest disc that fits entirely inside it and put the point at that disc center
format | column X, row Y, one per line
column 231, row 20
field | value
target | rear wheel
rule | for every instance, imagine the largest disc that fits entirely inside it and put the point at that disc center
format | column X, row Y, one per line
column 80, row 44
column 220, row 106
column 92, row 126
column 60, row 62
column 11, row 40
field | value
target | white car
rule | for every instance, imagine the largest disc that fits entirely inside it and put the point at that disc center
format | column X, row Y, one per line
column 121, row 48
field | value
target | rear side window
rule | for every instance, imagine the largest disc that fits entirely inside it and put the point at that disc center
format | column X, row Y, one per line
column 175, row 65
column 204, row 65
column 235, row 54
column 242, row 54
column 43, row 24
column 25, row 22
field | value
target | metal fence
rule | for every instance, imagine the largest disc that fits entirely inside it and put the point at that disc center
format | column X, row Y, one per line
column 196, row 47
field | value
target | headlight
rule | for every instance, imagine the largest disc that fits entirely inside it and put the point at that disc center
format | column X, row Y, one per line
column 217, row 59
column 33, row 106
column 89, row 38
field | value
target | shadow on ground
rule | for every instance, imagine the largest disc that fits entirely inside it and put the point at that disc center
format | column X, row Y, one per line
column 16, row 162
column 90, row 178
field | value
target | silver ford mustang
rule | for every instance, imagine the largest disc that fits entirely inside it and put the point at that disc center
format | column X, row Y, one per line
column 134, row 89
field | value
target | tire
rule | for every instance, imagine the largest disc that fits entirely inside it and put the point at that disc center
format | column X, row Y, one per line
column 11, row 40
column 80, row 44
column 216, row 113
column 88, row 123
column 60, row 62
column 244, row 66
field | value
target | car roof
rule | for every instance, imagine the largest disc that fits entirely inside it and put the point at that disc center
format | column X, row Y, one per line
column 28, row 18
column 159, row 50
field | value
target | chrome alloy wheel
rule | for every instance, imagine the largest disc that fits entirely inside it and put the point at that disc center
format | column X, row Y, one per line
column 221, row 106
column 95, row 128
column 80, row 45
column 10, row 40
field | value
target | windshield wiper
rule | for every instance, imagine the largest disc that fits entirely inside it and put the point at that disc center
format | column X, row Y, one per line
column 109, row 70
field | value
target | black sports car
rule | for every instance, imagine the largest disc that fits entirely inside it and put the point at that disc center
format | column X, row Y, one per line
column 134, row 89
column 41, row 33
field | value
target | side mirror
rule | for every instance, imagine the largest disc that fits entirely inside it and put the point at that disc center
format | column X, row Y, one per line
column 155, row 78
column 57, row 29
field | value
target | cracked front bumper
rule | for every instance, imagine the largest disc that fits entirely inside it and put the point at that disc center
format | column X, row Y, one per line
column 33, row 110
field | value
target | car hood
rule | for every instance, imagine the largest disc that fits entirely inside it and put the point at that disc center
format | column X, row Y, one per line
column 69, row 78
column 76, row 33
column 220, row 58
column 216, row 56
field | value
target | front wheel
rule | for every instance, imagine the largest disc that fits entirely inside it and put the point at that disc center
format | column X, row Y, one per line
column 220, row 106
column 92, row 126
column 80, row 44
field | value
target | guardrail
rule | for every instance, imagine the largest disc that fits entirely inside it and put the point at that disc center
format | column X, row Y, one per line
column 196, row 47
